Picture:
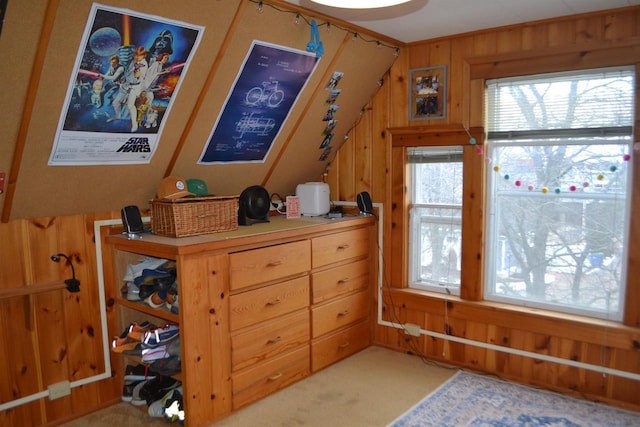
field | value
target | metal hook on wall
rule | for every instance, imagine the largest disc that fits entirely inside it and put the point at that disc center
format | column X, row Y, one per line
column 73, row 284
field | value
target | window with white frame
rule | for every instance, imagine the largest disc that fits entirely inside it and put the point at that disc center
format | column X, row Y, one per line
column 559, row 189
column 435, row 212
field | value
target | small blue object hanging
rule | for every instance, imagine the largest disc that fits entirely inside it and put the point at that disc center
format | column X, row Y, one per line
column 315, row 45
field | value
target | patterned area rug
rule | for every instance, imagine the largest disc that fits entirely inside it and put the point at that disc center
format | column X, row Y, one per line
column 474, row 400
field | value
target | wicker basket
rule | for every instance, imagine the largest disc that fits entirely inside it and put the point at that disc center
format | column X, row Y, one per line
column 194, row 215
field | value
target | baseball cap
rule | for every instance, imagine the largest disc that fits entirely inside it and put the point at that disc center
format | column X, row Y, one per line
column 172, row 187
column 197, row 187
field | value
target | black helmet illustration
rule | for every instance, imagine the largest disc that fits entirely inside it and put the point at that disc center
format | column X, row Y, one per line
column 162, row 44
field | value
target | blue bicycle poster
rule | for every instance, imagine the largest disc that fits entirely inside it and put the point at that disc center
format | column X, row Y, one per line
column 259, row 102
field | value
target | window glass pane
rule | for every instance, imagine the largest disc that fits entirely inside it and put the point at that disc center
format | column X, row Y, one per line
column 559, row 225
column 435, row 218
column 558, row 190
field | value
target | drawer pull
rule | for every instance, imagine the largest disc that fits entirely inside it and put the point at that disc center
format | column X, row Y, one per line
column 343, row 281
column 274, row 340
column 274, row 263
column 343, row 346
column 274, row 302
column 275, row 377
column 343, row 247
column 343, row 313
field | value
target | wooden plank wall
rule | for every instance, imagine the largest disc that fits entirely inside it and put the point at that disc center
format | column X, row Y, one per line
column 56, row 335
column 367, row 163
column 64, row 342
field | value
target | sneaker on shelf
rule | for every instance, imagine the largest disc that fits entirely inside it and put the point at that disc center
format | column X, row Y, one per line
column 135, row 270
column 174, row 305
column 138, row 373
column 137, row 330
column 164, row 283
column 145, row 290
column 174, row 410
column 172, row 296
column 160, row 336
column 156, row 388
column 127, row 390
column 150, row 355
column 157, row 299
column 154, row 276
column 120, row 344
column 173, row 348
column 136, row 398
column 133, row 292
column 169, row 265
column 158, row 407
column 170, row 366
column 135, row 351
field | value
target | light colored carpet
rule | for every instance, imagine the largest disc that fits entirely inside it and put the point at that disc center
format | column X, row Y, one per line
column 474, row 400
column 368, row 389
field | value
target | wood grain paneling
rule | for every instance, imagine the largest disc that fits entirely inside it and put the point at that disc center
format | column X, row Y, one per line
column 592, row 40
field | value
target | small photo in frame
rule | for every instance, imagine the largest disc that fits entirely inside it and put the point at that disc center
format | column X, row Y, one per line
column 428, row 93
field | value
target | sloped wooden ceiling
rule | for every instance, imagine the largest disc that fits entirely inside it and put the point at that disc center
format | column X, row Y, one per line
column 38, row 64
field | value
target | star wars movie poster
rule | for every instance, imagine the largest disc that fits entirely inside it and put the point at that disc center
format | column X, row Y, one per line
column 266, row 88
column 127, row 74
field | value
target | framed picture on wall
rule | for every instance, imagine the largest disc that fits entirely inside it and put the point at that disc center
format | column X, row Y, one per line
column 428, row 93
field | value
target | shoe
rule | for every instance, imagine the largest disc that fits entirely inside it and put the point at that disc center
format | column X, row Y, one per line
column 160, row 336
column 164, row 283
column 138, row 373
column 173, row 348
column 135, row 270
column 136, row 331
column 127, row 390
column 174, row 410
column 123, row 341
column 172, row 296
column 136, row 398
column 157, row 299
column 158, row 407
column 145, row 290
column 135, row 351
column 154, row 389
column 173, row 306
column 169, row 367
column 149, row 275
column 132, row 292
column 149, row 355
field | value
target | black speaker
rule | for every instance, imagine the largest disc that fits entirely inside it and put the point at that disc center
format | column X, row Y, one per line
column 131, row 220
column 253, row 205
column 364, row 203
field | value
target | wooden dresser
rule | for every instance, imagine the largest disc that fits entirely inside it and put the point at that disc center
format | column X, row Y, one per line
column 259, row 308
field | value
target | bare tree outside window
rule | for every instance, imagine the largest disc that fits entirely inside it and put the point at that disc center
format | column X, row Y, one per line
column 558, row 190
column 435, row 218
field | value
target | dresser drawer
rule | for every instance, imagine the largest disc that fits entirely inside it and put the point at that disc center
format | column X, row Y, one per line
column 269, row 340
column 256, row 382
column 339, row 247
column 331, row 348
column 271, row 263
column 258, row 305
column 340, row 280
column 338, row 313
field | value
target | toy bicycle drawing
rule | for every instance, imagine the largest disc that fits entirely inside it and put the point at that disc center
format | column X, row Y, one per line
column 269, row 94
